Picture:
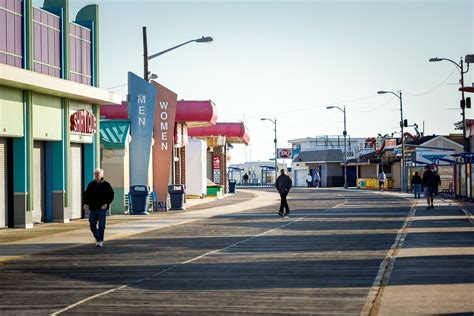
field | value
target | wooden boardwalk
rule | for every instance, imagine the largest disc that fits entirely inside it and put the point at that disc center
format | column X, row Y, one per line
column 325, row 259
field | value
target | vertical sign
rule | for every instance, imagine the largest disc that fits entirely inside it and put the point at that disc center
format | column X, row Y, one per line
column 141, row 111
column 163, row 136
column 296, row 150
column 216, row 168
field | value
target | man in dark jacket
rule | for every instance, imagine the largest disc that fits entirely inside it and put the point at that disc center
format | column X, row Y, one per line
column 429, row 183
column 97, row 198
column 283, row 185
column 416, row 185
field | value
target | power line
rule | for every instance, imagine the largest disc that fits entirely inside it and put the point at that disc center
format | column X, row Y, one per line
column 122, row 85
column 310, row 107
column 431, row 90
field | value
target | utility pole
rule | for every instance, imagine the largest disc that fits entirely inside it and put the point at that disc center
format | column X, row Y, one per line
column 145, row 55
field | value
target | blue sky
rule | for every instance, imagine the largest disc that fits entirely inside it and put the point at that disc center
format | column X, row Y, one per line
column 290, row 59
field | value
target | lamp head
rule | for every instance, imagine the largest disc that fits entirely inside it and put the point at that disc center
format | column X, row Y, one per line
column 435, row 59
column 469, row 59
column 204, row 39
column 330, row 107
column 381, row 92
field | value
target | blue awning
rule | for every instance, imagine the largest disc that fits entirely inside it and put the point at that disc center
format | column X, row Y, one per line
column 114, row 133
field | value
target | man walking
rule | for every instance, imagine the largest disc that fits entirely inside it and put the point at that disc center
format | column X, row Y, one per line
column 309, row 180
column 97, row 198
column 382, row 177
column 317, row 179
column 283, row 185
column 429, row 182
column 416, row 185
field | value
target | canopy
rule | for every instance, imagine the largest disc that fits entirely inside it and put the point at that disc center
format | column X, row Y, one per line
column 193, row 113
column 196, row 113
column 234, row 132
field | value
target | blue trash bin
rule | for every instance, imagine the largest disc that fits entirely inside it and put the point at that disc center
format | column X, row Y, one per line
column 138, row 196
column 176, row 192
column 232, row 184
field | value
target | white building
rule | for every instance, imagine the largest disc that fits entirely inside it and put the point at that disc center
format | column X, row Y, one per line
column 259, row 172
column 324, row 155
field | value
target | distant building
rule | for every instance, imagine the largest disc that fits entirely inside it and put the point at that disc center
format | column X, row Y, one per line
column 324, row 155
column 259, row 172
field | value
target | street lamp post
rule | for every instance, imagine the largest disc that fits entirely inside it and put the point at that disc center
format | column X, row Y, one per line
column 466, row 144
column 345, row 146
column 146, row 58
column 274, row 121
column 402, row 161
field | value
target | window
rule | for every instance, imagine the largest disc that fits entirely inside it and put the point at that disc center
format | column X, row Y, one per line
column 11, row 32
column 80, row 48
column 46, row 38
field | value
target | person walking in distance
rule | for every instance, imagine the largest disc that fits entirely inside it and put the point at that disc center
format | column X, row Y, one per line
column 97, row 198
column 317, row 179
column 382, row 177
column 416, row 185
column 429, row 182
column 309, row 180
column 283, row 186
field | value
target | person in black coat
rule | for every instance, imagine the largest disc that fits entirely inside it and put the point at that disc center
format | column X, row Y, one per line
column 429, row 182
column 416, row 185
column 283, row 185
column 97, row 198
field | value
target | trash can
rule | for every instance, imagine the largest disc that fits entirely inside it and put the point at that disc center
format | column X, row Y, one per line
column 138, row 196
column 232, row 184
column 176, row 192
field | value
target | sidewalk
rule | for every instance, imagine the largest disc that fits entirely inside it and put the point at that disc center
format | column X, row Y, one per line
column 17, row 243
column 432, row 271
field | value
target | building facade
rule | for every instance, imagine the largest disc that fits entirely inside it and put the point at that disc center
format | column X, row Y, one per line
column 49, row 96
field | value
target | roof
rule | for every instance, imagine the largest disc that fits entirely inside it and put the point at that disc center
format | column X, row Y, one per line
column 234, row 132
column 420, row 140
column 372, row 156
column 114, row 133
column 327, row 155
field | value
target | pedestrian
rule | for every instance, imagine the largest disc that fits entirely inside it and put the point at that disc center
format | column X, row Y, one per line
column 317, row 179
column 428, row 182
column 283, row 185
column 437, row 183
column 382, row 177
column 97, row 198
column 309, row 180
column 416, row 185
column 246, row 179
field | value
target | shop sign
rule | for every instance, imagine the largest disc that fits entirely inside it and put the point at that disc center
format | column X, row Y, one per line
column 296, row 150
column 217, row 176
column 216, row 162
column 83, row 121
column 284, row 153
column 141, row 110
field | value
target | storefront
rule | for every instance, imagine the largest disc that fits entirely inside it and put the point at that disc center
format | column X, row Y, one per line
column 48, row 109
column 217, row 138
column 170, row 125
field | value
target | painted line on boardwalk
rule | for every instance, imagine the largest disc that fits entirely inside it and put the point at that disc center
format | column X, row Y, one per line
column 385, row 269
column 69, row 307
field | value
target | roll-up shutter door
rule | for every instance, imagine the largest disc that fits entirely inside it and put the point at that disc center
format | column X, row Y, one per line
column 38, row 182
column 3, row 183
column 76, row 181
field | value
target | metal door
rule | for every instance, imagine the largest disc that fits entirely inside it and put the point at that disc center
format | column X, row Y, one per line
column 38, row 182
column 76, row 181
column 3, row 183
